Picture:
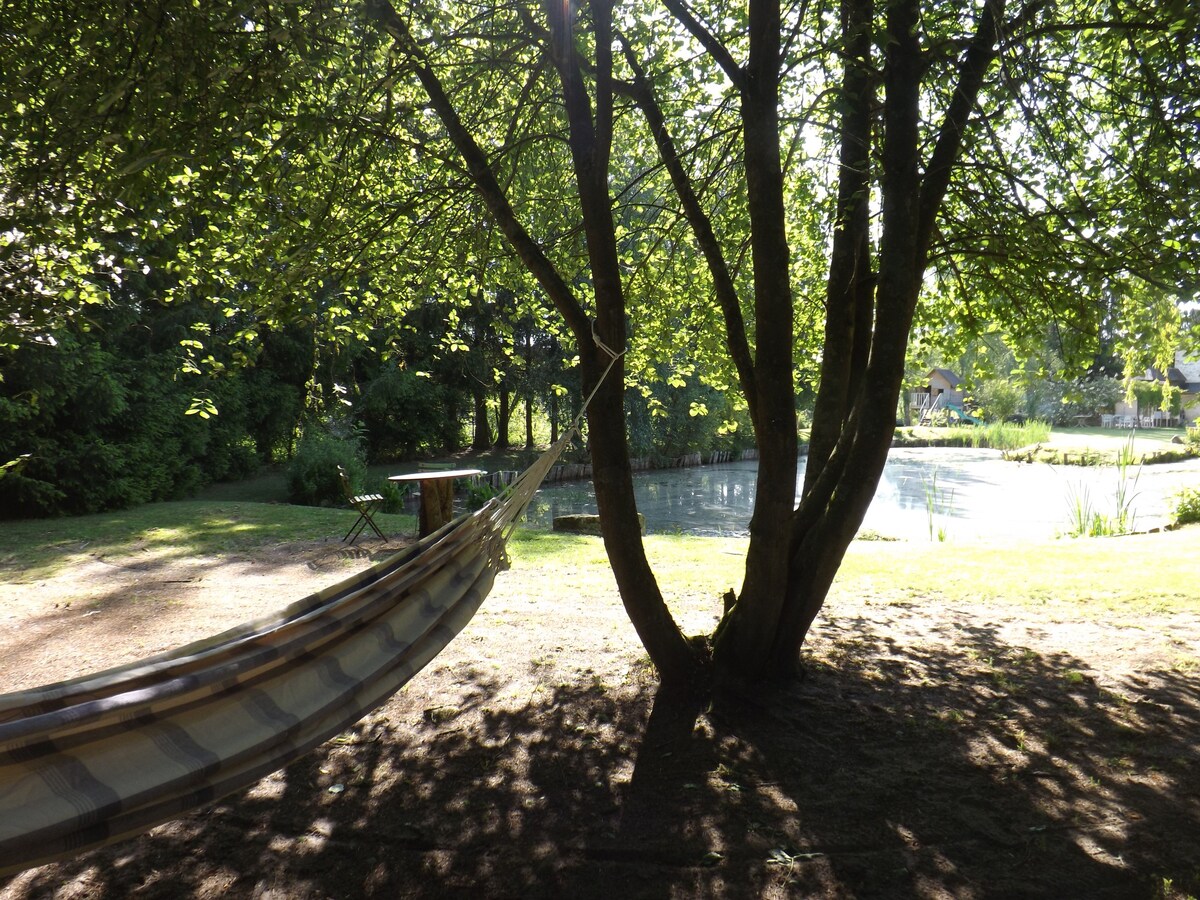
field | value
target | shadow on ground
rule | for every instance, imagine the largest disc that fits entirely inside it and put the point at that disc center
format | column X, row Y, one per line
column 971, row 770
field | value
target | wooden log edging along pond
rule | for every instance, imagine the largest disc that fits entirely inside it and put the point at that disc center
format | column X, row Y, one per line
column 580, row 471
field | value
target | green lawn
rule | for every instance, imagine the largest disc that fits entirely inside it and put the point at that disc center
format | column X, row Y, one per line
column 1149, row 572
column 1111, row 440
column 1090, row 446
column 1106, row 446
column 187, row 528
column 270, row 484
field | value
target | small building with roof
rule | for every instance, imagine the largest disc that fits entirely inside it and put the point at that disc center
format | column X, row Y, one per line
column 943, row 390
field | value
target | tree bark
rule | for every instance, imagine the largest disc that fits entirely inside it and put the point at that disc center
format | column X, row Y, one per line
column 503, row 417
column 849, row 301
column 481, row 438
column 589, row 139
column 528, row 398
column 748, row 632
column 869, row 319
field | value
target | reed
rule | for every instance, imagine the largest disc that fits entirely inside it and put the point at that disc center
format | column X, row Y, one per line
column 1000, row 435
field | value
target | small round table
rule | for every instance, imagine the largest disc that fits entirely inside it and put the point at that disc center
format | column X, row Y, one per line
column 437, row 496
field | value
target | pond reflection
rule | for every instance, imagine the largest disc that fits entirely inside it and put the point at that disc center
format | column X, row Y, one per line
column 925, row 494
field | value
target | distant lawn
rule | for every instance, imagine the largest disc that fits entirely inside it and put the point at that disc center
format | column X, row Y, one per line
column 1079, row 446
column 1103, row 446
column 1145, row 440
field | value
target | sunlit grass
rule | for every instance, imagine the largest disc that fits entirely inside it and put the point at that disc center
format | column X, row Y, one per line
column 164, row 531
column 1130, row 575
column 993, row 435
column 1001, row 435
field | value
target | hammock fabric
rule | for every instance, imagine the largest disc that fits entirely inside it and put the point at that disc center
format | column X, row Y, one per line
column 86, row 762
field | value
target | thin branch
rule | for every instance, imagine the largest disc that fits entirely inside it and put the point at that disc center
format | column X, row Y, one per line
column 946, row 151
column 717, row 50
column 702, row 229
column 482, row 174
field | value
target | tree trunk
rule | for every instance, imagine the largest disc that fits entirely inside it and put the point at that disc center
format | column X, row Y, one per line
column 849, row 301
column 747, row 634
column 529, row 420
column 590, row 143
column 503, row 417
column 867, row 329
column 674, row 658
column 528, row 390
column 482, row 437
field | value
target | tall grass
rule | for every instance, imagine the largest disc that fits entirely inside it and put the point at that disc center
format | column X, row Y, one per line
column 1084, row 520
column 936, row 502
column 1000, row 435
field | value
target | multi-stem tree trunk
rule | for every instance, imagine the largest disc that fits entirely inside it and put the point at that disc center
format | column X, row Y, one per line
column 869, row 317
column 794, row 551
column 590, row 131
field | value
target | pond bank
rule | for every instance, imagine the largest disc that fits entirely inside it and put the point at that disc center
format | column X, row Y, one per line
column 582, row 471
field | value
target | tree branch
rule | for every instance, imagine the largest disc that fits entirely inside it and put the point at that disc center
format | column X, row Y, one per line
column 974, row 66
column 735, row 326
column 482, row 175
column 712, row 46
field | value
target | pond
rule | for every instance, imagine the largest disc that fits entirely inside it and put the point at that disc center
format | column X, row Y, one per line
column 925, row 494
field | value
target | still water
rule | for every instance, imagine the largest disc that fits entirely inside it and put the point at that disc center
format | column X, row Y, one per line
column 959, row 494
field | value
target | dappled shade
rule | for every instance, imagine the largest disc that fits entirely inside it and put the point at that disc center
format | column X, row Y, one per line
column 88, row 761
column 959, row 765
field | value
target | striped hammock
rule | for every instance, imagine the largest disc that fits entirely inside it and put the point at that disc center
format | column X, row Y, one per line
column 87, row 762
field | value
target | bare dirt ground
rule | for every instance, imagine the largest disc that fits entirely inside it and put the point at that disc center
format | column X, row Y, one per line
column 966, row 751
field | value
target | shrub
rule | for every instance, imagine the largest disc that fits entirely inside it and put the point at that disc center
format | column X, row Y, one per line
column 999, row 399
column 478, row 495
column 1187, row 507
column 312, row 476
column 393, row 496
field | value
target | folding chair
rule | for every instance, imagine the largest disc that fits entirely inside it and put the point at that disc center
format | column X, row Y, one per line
column 365, row 504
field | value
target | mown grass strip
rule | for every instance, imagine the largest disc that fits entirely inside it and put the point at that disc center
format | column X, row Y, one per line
column 1126, row 575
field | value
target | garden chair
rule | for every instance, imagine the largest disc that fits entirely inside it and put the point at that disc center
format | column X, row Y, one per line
column 365, row 504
